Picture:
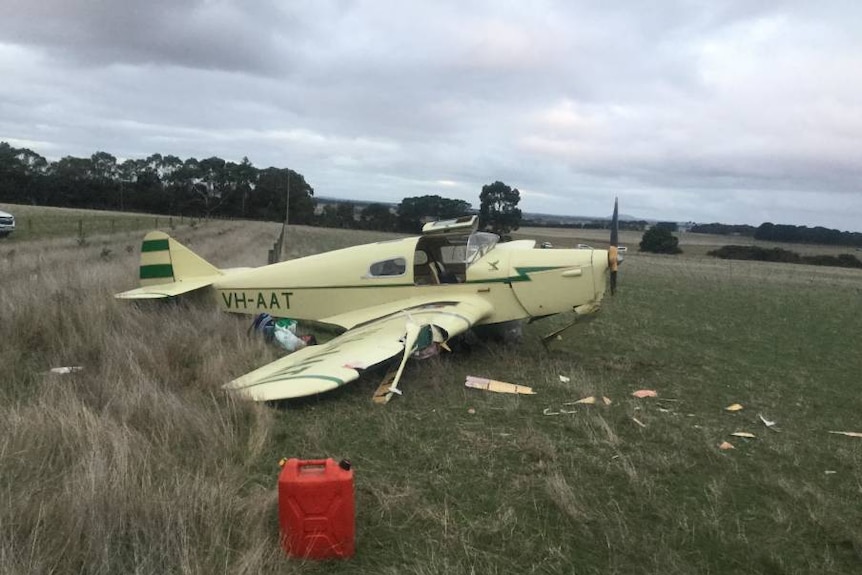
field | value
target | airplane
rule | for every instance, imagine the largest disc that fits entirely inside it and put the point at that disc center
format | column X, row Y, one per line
column 391, row 298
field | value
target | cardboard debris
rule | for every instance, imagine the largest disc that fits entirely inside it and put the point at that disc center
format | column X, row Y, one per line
column 733, row 407
column 642, row 393
column 65, row 370
column 638, row 421
column 591, row 400
column 384, row 391
column 743, row 434
column 497, row 386
column 725, row 446
column 564, row 379
column 848, row 433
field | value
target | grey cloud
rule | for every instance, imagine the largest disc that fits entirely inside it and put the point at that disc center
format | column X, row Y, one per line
column 699, row 110
column 188, row 33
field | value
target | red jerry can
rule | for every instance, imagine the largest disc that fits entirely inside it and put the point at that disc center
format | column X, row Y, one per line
column 316, row 508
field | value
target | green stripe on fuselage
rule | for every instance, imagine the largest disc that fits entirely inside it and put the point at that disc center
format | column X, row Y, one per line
column 523, row 275
column 155, row 245
column 157, row 271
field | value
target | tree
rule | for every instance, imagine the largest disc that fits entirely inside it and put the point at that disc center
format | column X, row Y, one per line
column 498, row 210
column 413, row 211
column 670, row 226
column 267, row 199
column 660, row 241
column 338, row 215
column 377, row 217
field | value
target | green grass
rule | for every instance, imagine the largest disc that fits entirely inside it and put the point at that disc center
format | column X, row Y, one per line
column 140, row 463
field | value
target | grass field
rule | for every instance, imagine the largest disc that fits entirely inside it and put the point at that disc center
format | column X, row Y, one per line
column 36, row 222
column 691, row 244
column 139, row 463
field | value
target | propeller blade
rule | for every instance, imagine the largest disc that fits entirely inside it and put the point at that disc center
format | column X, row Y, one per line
column 613, row 251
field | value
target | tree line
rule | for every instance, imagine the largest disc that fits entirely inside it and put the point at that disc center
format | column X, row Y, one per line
column 214, row 187
column 784, row 256
column 805, row 235
column 211, row 187
column 784, row 233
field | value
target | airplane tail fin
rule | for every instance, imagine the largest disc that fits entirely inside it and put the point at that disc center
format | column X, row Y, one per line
column 168, row 268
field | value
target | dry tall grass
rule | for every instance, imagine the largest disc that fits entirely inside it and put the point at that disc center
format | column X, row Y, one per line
column 138, row 463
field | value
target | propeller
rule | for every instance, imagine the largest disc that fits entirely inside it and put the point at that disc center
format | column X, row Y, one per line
column 613, row 250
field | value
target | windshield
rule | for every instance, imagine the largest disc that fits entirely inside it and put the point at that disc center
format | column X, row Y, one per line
column 479, row 244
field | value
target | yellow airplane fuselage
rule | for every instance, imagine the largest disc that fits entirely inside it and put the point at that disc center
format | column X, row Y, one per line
column 517, row 280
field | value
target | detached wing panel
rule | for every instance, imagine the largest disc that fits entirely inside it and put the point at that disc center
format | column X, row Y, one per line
column 324, row 367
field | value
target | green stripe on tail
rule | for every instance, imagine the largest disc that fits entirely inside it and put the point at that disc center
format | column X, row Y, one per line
column 157, row 271
column 155, row 245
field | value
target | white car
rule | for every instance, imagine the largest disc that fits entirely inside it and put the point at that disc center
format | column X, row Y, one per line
column 7, row 224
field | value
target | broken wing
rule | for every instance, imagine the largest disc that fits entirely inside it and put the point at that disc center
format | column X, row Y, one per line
column 324, row 367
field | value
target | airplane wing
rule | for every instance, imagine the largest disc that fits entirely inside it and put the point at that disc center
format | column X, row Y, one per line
column 320, row 368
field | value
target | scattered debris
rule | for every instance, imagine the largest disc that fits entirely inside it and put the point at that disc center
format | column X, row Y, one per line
column 547, row 411
column 725, row 445
column 642, row 393
column 848, row 433
column 591, row 400
column 733, row 407
column 471, row 411
column 830, row 472
column 745, row 434
column 765, row 421
column 638, row 421
column 284, row 333
column 564, row 379
column 65, row 370
column 384, row 391
column 497, row 386
column 664, row 410
column 606, row 400
column 281, row 331
column 768, row 424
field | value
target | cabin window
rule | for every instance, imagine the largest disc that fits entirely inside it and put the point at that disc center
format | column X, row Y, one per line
column 387, row 268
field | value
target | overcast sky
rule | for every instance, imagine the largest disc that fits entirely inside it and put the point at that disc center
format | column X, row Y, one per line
column 738, row 112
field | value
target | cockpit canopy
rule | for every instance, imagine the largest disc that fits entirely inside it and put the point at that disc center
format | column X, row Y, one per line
column 443, row 257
